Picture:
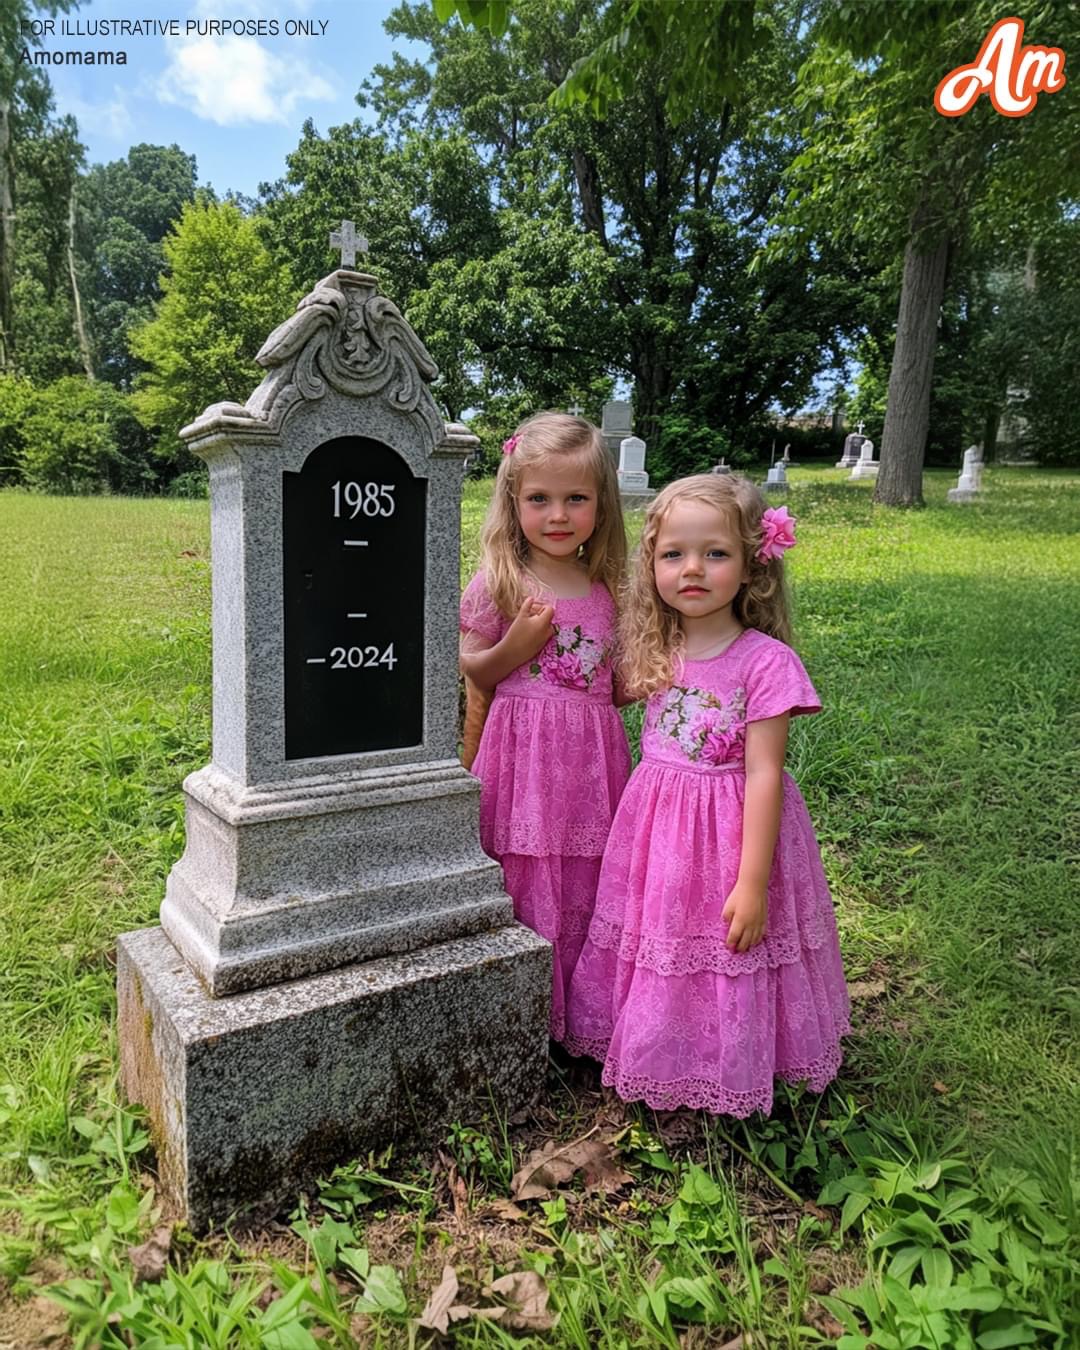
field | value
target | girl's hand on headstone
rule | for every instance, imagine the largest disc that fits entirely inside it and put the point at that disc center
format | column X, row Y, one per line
column 746, row 911
column 531, row 629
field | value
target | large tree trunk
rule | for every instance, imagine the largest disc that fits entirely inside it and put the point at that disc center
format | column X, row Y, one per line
column 907, row 415
column 7, row 241
column 80, row 327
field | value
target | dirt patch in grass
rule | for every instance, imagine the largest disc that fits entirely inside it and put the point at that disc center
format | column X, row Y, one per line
column 26, row 1323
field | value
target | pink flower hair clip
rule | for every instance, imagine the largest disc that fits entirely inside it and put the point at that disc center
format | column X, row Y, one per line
column 510, row 444
column 777, row 533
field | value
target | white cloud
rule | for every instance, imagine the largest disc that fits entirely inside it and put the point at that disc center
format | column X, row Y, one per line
column 109, row 118
column 233, row 80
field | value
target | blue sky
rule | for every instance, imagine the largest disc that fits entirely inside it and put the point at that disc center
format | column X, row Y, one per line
column 235, row 101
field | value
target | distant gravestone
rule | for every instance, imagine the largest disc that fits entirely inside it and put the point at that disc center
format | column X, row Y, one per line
column 867, row 466
column 722, row 468
column 634, row 487
column 969, row 484
column 616, row 424
column 776, row 479
column 852, row 445
column 338, row 962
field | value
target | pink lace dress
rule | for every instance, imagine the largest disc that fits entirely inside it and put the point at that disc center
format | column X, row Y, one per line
column 676, row 1017
column 553, row 761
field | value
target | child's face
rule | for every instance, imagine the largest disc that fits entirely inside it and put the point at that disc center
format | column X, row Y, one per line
column 556, row 505
column 698, row 564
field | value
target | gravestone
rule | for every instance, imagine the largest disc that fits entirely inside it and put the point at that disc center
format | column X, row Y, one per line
column 867, row 466
column 722, row 468
column 634, row 490
column 338, row 964
column 776, row 479
column 616, row 424
column 969, row 484
column 852, row 444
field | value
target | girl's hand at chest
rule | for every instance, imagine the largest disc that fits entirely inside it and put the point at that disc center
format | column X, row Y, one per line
column 531, row 629
column 487, row 663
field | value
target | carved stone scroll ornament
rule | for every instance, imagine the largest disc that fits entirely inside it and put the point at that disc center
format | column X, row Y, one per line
column 347, row 336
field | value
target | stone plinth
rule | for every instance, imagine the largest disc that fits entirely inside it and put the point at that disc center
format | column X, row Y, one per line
column 251, row 1097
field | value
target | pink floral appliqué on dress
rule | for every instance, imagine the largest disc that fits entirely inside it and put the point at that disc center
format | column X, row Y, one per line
column 552, row 763
column 676, row 1017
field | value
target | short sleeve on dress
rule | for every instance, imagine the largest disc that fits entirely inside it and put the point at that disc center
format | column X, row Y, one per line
column 777, row 683
column 478, row 612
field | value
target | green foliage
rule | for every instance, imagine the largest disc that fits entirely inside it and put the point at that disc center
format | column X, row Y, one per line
column 17, row 396
column 657, row 218
column 222, row 296
column 684, row 446
column 129, row 206
column 72, row 436
column 1047, row 321
column 700, row 46
column 958, row 1257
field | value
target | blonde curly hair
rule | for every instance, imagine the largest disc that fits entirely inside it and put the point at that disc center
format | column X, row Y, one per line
column 651, row 639
column 504, row 548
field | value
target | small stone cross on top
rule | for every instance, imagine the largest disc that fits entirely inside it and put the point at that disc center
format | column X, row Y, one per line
column 860, row 427
column 348, row 242
column 575, row 409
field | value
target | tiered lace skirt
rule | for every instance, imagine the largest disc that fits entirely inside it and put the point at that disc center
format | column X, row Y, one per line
column 552, row 766
column 676, row 1017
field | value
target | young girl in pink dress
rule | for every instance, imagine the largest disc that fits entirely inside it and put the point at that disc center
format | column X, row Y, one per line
column 538, row 628
column 712, row 963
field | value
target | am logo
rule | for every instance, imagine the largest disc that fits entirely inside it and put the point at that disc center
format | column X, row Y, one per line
column 1013, row 75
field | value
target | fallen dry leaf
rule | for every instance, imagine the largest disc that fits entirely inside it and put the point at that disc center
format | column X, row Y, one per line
column 939, row 1086
column 549, row 1167
column 866, row 989
column 602, row 1171
column 526, row 1296
column 436, row 1314
column 506, row 1209
column 148, row 1261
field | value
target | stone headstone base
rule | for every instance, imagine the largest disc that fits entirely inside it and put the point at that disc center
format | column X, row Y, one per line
column 961, row 495
column 251, row 1097
column 636, row 501
column 865, row 470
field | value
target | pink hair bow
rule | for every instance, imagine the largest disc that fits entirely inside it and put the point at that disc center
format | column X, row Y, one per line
column 510, row 444
column 777, row 533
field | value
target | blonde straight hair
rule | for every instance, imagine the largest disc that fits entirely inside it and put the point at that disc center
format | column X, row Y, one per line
column 651, row 639
column 551, row 436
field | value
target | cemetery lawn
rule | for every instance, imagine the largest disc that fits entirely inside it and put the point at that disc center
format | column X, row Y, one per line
column 929, row 1198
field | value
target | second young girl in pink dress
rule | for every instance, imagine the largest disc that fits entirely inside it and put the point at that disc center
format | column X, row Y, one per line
column 538, row 628
column 712, row 963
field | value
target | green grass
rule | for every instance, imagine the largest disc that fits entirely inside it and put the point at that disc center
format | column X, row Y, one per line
column 941, row 779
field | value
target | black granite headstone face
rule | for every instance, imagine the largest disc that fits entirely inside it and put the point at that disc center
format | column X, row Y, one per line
column 852, row 445
column 353, row 537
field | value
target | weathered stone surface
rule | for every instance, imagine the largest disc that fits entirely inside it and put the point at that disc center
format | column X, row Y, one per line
column 251, row 1097
column 289, row 879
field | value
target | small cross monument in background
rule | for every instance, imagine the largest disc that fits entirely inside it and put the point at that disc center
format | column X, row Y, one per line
column 349, row 243
column 575, row 409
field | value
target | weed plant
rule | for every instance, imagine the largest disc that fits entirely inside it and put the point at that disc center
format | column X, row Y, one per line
column 928, row 1199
